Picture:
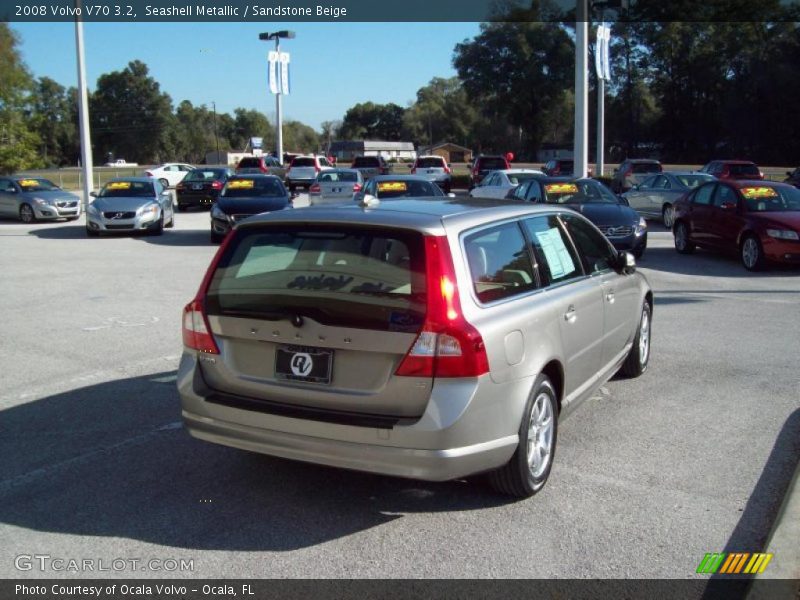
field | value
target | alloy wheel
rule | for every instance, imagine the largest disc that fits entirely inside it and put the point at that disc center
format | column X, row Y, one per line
column 540, row 435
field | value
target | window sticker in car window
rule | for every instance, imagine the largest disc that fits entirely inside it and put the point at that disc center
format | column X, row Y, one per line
column 759, row 192
column 392, row 186
column 119, row 185
column 555, row 253
column 27, row 183
column 561, row 188
column 241, row 184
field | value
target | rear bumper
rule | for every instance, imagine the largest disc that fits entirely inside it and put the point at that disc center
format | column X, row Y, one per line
column 469, row 426
column 197, row 198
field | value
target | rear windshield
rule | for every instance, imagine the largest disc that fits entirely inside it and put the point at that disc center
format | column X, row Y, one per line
column 430, row 163
column 744, row 170
column 257, row 186
column 692, row 181
column 335, row 176
column 367, row 278
column 646, row 167
column 304, row 162
column 491, row 164
column 366, row 161
column 517, row 178
column 115, row 189
column 205, row 175
column 250, row 162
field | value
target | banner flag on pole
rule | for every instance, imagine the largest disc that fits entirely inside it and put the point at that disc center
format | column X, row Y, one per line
column 272, row 71
column 602, row 64
column 284, row 73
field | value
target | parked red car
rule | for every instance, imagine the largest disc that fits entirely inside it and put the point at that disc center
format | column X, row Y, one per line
column 733, row 169
column 758, row 220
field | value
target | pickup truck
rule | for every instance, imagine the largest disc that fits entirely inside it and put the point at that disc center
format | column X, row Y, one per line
column 121, row 162
column 370, row 166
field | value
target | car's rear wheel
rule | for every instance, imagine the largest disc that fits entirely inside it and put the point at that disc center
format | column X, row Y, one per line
column 682, row 242
column 752, row 254
column 529, row 467
column 639, row 356
column 26, row 214
column 668, row 215
column 182, row 207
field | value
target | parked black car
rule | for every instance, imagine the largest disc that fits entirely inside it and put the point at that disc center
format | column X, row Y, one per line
column 201, row 187
column 622, row 225
column 245, row 196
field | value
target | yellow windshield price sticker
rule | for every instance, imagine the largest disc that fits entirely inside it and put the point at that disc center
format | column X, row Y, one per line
column 27, row 183
column 241, row 184
column 561, row 188
column 392, row 186
column 119, row 185
column 759, row 192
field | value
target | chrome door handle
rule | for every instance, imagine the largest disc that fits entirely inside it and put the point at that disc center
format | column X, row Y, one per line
column 570, row 315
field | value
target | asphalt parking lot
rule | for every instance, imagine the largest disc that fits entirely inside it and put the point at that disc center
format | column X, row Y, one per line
column 693, row 457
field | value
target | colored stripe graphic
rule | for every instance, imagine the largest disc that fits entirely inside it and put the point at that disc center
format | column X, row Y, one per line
column 733, row 563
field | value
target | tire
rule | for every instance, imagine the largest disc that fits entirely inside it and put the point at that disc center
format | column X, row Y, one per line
column 26, row 214
column 682, row 242
column 73, row 218
column 523, row 476
column 182, row 207
column 164, row 183
column 159, row 228
column 751, row 253
column 639, row 252
column 171, row 222
column 91, row 233
column 639, row 357
column 668, row 216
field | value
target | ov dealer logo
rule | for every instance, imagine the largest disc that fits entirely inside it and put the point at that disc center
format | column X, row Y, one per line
column 302, row 364
column 734, row 563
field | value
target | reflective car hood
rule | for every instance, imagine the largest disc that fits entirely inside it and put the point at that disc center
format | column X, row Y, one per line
column 121, row 203
column 52, row 195
column 251, row 206
column 778, row 219
column 607, row 214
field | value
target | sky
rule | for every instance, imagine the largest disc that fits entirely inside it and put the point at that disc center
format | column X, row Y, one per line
column 334, row 65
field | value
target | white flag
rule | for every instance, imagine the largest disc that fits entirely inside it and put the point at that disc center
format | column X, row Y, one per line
column 272, row 71
column 284, row 73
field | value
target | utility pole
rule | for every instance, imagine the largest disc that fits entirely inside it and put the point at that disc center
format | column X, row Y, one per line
column 581, row 152
column 216, row 137
column 83, row 110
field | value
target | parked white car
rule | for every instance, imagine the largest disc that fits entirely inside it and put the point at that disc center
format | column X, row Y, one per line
column 304, row 170
column 169, row 174
column 496, row 184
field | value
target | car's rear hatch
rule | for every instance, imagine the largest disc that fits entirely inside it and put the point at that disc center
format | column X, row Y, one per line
column 318, row 317
column 431, row 169
column 302, row 169
column 369, row 166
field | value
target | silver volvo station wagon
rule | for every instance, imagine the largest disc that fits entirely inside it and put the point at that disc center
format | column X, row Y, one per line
column 423, row 338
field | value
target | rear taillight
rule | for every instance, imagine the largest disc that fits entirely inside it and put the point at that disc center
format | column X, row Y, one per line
column 448, row 345
column 197, row 333
column 216, row 185
column 315, row 188
column 356, row 187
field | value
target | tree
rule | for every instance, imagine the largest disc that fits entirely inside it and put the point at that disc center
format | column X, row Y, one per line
column 130, row 115
column 517, row 74
column 442, row 112
column 18, row 143
column 373, row 121
column 298, row 137
column 54, row 121
column 330, row 131
column 249, row 123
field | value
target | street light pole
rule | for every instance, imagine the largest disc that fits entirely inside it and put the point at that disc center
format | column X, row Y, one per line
column 216, row 137
column 581, row 152
column 277, row 35
column 83, row 111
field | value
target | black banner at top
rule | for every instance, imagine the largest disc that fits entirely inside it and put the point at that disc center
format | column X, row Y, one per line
column 277, row 11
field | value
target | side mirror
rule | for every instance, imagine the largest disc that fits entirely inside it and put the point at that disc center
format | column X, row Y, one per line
column 627, row 263
column 623, row 200
column 368, row 200
column 93, row 194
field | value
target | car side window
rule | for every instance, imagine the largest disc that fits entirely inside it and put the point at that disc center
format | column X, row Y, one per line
column 595, row 251
column 534, row 192
column 555, row 256
column 725, row 194
column 6, row 186
column 661, row 183
column 520, row 191
column 703, row 195
column 648, row 182
column 499, row 263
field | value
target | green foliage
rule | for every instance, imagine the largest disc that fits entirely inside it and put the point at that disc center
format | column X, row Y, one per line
column 373, row 121
column 442, row 113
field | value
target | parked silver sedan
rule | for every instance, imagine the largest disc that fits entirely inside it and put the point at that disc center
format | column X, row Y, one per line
column 335, row 186
column 655, row 197
column 498, row 183
column 32, row 199
column 128, row 205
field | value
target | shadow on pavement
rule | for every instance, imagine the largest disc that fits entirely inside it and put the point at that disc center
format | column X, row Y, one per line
column 183, row 237
column 113, row 460
column 708, row 264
